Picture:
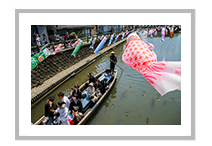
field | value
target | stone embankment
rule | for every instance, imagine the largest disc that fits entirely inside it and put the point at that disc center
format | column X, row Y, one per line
column 58, row 68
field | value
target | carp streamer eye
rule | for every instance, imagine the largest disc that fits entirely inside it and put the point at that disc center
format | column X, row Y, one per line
column 40, row 58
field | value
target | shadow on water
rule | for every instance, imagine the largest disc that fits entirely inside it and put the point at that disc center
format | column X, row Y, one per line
column 147, row 120
column 127, row 113
column 153, row 102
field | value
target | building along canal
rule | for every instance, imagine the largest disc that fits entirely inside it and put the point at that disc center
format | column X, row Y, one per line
column 132, row 100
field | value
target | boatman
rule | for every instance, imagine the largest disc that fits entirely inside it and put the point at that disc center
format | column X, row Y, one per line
column 113, row 61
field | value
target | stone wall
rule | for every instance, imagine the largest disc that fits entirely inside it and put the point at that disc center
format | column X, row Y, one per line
column 54, row 64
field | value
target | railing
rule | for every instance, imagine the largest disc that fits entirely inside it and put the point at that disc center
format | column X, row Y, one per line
column 67, row 44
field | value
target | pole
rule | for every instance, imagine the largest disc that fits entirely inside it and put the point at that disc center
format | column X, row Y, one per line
column 114, row 62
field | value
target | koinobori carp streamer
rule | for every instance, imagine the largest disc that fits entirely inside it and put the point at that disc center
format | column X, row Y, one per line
column 77, row 48
column 164, row 76
column 101, row 44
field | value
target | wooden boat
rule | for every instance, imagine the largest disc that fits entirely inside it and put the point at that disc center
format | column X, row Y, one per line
column 88, row 106
column 89, row 111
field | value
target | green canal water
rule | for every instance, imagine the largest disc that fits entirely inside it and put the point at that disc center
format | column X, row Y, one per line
column 132, row 100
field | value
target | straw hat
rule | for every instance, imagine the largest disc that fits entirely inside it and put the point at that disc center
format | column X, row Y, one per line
column 112, row 52
column 91, row 84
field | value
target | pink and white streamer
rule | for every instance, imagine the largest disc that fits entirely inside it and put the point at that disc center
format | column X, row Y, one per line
column 164, row 76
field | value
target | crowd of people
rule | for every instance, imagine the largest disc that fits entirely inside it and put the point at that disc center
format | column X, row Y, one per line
column 39, row 40
column 66, row 37
column 70, row 108
column 161, row 28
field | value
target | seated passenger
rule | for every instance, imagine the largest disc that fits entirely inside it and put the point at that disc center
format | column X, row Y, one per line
column 49, row 115
column 108, row 73
column 56, row 119
column 91, row 91
column 98, row 85
column 97, row 96
column 91, row 79
column 76, row 91
column 104, row 85
column 63, row 110
column 76, row 108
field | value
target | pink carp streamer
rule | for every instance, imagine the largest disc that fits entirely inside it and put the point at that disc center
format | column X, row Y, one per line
column 101, row 37
column 75, row 44
column 164, row 76
column 57, row 49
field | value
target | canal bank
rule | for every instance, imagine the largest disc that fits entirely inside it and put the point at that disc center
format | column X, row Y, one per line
column 37, row 93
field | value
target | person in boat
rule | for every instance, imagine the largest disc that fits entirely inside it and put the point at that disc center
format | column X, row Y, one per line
column 107, row 74
column 98, row 85
column 90, row 91
column 113, row 62
column 64, row 99
column 63, row 110
column 76, row 108
column 91, row 79
column 98, row 94
column 76, row 91
column 104, row 85
column 56, row 120
column 49, row 115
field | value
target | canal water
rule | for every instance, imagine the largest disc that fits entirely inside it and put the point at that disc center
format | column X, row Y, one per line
column 132, row 100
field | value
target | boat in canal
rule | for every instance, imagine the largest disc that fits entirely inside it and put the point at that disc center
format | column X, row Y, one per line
column 88, row 106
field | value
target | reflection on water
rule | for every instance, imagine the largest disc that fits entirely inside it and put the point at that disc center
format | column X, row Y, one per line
column 132, row 100
column 127, row 113
column 147, row 120
column 112, row 106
